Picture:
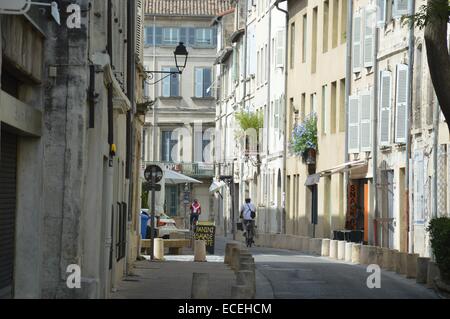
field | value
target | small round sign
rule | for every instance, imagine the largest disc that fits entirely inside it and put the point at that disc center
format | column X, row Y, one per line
column 153, row 170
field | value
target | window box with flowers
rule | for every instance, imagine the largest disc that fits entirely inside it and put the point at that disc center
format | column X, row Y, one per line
column 304, row 139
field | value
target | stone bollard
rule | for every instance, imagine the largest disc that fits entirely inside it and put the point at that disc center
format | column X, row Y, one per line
column 364, row 256
column 199, row 251
column 247, row 266
column 234, row 258
column 411, row 265
column 228, row 248
column 247, row 278
column 379, row 256
column 241, row 292
column 199, row 288
column 403, row 262
column 158, row 251
column 315, row 246
column 356, row 253
column 373, row 255
column 325, row 247
column 422, row 270
column 305, row 245
column 390, row 266
column 348, row 252
column 397, row 262
column 433, row 273
column 341, row 250
column 334, row 249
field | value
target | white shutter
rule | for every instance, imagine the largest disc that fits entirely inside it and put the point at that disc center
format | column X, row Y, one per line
column 381, row 12
column 369, row 43
column 280, row 48
column 139, row 30
column 366, row 121
column 357, row 52
column 401, row 103
column 353, row 124
column 385, row 107
column 400, row 8
column 198, row 82
column 166, row 83
column 418, row 186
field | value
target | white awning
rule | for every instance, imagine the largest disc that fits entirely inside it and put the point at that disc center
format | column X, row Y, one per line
column 216, row 185
column 315, row 178
column 173, row 178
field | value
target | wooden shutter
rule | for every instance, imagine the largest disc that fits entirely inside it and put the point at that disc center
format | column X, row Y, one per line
column 174, row 83
column 400, row 8
column 158, row 35
column 401, row 103
column 166, row 83
column 139, row 30
column 366, row 121
column 385, row 107
column 353, row 124
column 207, row 80
column 149, row 36
column 369, row 43
column 357, row 52
column 418, row 186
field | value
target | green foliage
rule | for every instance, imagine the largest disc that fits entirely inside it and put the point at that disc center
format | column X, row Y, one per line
column 439, row 229
column 304, row 136
column 434, row 10
column 250, row 120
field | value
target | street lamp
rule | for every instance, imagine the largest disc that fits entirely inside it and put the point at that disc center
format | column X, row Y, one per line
column 180, row 55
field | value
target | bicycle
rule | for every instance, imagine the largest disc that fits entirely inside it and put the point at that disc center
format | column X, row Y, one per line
column 249, row 232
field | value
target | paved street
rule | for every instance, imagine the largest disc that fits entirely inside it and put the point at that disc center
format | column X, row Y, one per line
column 284, row 274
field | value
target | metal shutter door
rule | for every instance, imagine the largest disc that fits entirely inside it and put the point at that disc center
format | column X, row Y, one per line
column 8, row 165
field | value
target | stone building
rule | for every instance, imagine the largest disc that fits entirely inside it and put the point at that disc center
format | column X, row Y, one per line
column 179, row 130
column 69, row 133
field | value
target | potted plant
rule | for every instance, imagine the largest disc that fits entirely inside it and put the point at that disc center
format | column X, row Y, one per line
column 304, row 139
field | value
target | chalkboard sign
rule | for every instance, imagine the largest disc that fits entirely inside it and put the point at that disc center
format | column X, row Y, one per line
column 208, row 234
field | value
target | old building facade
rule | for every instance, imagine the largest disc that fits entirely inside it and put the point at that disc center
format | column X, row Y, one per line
column 69, row 129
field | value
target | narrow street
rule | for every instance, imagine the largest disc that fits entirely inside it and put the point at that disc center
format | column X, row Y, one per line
column 284, row 274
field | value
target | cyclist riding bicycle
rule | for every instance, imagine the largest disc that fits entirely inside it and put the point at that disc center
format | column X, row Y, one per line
column 248, row 214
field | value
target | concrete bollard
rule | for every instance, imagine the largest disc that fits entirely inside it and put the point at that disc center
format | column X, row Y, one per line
column 247, row 278
column 199, row 251
column 315, row 246
column 411, row 265
column 356, row 253
column 379, row 256
column 158, row 250
column 400, row 263
column 341, row 250
column 325, row 247
column 364, row 257
column 390, row 265
column 241, row 292
column 234, row 258
column 228, row 248
column 373, row 255
column 433, row 273
column 305, row 246
column 247, row 266
column 334, row 249
column 199, row 289
column 348, row 252
column 422, row 270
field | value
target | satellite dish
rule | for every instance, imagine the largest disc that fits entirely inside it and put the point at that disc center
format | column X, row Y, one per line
column 14, row 6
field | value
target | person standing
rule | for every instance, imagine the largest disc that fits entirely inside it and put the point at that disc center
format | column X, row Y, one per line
column 196, row 210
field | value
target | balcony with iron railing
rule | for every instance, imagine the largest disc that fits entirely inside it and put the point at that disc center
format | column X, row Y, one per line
column 194, row 170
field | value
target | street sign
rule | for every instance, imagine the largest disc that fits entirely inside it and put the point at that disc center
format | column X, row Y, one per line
column 148, row 186
column 153, row 170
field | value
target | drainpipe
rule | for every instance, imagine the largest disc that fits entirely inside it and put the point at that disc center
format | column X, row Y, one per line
column 285, row 111
column 348, row 79
column 411, row 10
column 374, row 238
column 155, row 105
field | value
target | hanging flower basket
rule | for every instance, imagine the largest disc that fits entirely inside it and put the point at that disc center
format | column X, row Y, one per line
column 304, row 139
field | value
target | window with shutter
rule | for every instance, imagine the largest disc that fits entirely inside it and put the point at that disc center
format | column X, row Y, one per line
column 353, row 125
column 385, row 107
column 400, row 8
column 369, row 28
column 401, row 103
column 198, row 82
column 357, row 43
column 381, row 12
column 418, row 186
column 366, row 121
column 203, row 79
column 148, row 34
column 139, row 30
column 280, row 48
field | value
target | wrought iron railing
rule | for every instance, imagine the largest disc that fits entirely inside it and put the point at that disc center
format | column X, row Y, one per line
column 189, row 169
